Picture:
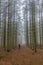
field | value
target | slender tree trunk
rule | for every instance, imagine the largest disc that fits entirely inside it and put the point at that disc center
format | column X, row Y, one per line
column 33, row 32
column 4, row 20
column 0, row 21
column 41, row 30
column 15, row 34
column 14, row 28
column 40, row 27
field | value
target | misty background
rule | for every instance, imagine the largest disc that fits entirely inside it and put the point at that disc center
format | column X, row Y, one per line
column 19, row 10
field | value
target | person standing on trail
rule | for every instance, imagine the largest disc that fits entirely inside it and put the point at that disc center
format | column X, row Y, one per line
column 19, row 46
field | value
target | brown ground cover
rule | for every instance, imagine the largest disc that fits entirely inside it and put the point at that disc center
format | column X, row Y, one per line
column 23, row 56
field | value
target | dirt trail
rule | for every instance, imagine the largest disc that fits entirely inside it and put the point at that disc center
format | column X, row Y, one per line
column 23, row 56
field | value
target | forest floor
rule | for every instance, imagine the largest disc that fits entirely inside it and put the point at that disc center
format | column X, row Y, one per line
column 23, row 56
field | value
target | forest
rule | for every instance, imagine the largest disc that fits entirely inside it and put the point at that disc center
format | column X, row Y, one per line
column 21, row 32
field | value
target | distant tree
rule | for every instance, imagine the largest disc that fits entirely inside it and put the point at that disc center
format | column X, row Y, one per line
column 41, row 25
column 25, row 15
column 14, row 25
column 27, row 38
column 4, row 20
column 42, row 33
column 42, row 22
column 0, row 19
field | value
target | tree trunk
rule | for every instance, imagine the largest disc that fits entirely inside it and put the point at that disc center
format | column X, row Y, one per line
column 33, row 29
column 9, row 30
